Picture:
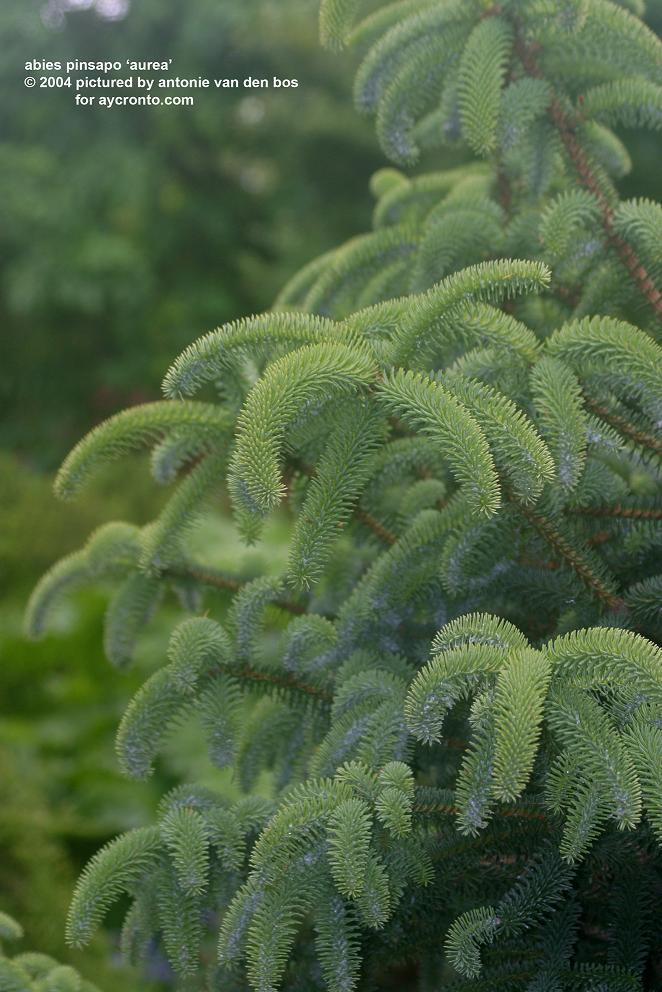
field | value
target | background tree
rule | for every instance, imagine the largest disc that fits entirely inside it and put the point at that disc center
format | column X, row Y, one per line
column 125, row 230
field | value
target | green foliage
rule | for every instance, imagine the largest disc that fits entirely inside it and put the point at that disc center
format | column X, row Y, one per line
column 113, row 247
column 557, row 396
column 136, row 428
column 350, row 831
column 336, row 18
column 426, row 406
column 339, row 479
column 31, row 971
column 531, row 899
column 118, row 867
column 458, row 416
column 482, row 70
column 305, row 379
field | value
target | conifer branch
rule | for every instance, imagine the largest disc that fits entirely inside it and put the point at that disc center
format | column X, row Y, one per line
column 367, row 519
column 567, row 130
column 559, row 735
column 513, row 812
column 275, row 679
column 210, row 577
column 622, row 512
column 382, row 532
column 627, row 429
column 572, row 558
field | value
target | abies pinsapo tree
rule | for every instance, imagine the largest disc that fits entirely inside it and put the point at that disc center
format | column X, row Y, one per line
column 456, row 683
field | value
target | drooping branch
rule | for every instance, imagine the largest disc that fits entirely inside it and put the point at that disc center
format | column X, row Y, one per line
column 367, row 519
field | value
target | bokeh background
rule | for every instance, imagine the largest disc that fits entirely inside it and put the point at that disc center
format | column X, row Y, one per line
column 124, row 234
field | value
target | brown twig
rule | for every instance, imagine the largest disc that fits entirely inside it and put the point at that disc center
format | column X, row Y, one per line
column 600, row 538
column 277, row 680
column 220, row 581
column 382, row 532
column 624, row 426
column 571, row 557
column 428, row 809
column 620, row 512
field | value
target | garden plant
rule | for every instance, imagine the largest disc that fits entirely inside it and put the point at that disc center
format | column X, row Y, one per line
column 455, row 685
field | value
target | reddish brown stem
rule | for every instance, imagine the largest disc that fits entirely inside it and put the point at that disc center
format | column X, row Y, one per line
column 219, row 581
column 600, row 538
column 517, row 814
column 382, row 532
column 624, row 426
column 621, row 512
column 571, row 557
column 278, row 681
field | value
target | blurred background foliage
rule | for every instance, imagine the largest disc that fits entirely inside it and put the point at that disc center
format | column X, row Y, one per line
column 124, row 235
column 130, row 231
